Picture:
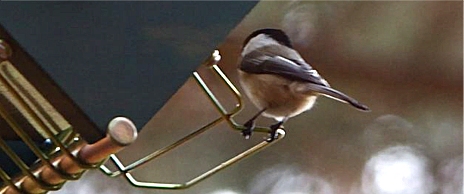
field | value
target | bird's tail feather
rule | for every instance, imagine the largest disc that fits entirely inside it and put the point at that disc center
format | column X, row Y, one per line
column 337, row 95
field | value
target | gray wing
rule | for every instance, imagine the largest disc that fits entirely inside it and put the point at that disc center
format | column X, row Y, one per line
column 259, row 62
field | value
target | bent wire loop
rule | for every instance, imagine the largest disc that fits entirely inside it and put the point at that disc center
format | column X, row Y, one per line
column 225, row 116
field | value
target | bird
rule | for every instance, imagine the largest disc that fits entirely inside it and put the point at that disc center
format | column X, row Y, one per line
column 279, row 82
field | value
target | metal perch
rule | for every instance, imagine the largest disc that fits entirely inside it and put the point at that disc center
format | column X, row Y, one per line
column 225, row 116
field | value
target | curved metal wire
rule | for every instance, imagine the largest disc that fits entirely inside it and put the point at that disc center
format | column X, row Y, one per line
column 226, row 116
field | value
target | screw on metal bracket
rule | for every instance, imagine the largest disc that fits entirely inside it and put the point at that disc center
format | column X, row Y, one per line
column 5, row 50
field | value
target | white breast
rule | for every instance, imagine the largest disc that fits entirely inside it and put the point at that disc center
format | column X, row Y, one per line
column 275, row 93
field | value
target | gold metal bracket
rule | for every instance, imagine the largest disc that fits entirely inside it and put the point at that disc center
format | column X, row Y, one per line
column 25, row 111
column 17, row 94
column 225, row 116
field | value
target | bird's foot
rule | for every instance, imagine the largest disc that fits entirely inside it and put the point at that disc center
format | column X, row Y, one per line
column 249, row 127
column 273, row 134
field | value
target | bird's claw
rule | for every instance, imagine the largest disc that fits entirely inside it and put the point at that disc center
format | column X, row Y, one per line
column 273, row 134
column 249, row 126
column 246, row 133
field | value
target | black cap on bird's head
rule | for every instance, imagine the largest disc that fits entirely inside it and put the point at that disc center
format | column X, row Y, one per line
column 275, row 34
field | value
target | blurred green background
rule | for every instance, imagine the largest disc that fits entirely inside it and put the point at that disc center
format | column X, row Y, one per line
column 403, row 59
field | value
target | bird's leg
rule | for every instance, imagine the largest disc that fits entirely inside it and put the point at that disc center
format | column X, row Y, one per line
column 250, row 124
column 274, row 127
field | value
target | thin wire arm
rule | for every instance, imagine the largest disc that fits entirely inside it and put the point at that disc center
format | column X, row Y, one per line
column 156, row 154
column 239, row 106
column 253, row 150
column 225, row 116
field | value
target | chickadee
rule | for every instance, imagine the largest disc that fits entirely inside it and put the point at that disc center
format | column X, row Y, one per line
column 278, row 81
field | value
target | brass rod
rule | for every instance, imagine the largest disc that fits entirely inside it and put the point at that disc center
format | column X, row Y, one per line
column 43, row 157
column 9, row 81
column 255, row 149
column 211, row 96
column 215, row 101
column 121, row 133
column 25, row 168
column 137, row 183
column 118, row 165
column 7, row 180
column 225, row 116
column 231, row 86
column 233, row 160
column 162, row 151
column 22, row 90
column 19, row 88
